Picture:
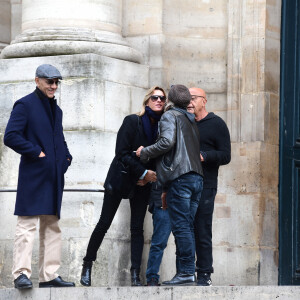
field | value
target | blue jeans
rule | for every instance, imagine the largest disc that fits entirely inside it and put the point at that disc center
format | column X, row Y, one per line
column 203, row 231
column 183, row 198
column 160, row 236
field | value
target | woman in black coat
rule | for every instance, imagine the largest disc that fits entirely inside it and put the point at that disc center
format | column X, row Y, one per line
column 136, row 130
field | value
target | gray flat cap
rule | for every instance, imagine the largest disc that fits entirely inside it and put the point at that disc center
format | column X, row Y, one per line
column 47, row 71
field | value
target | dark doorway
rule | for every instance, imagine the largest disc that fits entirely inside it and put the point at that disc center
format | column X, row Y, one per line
column 289, row 178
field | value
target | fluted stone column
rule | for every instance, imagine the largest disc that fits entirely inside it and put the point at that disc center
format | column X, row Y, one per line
column 4, row 23
column 71, row 27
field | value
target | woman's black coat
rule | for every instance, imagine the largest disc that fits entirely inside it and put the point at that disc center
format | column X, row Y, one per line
column 130, row 136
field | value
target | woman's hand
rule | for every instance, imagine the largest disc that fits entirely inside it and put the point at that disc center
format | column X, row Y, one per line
column 141, row 182
column 138, row 151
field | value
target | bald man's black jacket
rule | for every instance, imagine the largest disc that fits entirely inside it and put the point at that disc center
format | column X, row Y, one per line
column 214, row 146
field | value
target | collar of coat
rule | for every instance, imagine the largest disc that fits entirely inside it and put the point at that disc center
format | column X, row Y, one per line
column 190, row 116
column 42, row 95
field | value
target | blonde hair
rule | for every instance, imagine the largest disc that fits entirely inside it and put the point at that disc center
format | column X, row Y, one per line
column 147, row 97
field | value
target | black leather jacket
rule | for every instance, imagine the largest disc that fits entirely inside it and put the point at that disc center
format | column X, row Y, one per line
column 177, row 148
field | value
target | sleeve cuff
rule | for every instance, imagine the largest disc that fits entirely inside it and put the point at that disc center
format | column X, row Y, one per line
column 204, row 155
column 37, row 151
column 144, row 174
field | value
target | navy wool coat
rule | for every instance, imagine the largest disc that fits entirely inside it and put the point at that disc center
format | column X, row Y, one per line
column 33, row 128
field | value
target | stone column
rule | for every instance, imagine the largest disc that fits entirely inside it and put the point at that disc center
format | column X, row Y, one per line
column 71, row 27
column 253, row 75
column 103, row 81
column 4, row 23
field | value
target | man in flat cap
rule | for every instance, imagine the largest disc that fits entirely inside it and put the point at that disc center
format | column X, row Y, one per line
column 35, row 131
column 180, row 172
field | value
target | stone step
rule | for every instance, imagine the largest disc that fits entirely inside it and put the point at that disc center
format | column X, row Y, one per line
column 156, row 293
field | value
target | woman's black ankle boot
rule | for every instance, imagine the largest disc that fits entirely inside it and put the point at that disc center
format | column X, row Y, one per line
column 86, row 273
column 135, row 277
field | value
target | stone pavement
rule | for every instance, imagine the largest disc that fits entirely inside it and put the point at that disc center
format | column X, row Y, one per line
column 157, row 293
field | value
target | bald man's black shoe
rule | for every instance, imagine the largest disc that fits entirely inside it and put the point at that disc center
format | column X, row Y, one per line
column 57, row 282
column 23, row 282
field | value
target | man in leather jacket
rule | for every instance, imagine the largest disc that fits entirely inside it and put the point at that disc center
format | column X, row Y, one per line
column 180, row 172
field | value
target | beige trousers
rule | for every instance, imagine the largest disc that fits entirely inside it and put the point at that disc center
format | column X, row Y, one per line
column 50, row 246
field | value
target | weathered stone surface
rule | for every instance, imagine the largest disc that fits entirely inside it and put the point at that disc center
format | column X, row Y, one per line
column 254, row 18
column 195, row 62
column 252, row 65
column 101, row 14
column 91, row 104
column 59, row 30
column 241, row 213
column 272, row 65
column 269, row 181
column 61, row 47
column 205, row 19
column 217, row 103
column 117, row 105
column 31, row 294
column 5, row 23
column 273, row 19
column 83, row 103
column 268, row 266
column 235, row 293
column 7, row 202
column 16, row 20
column 229, row 48
column 9, row 93
column 92, row 152
column 78, row 66
column 137, row 98
column 227, row 259
column 142, row 17
column 9, row 164
column 142, row 44
column 158, row 293
column 6, row 250
column 252, row 109
column 242, row 175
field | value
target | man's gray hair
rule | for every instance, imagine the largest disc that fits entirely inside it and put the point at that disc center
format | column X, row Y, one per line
column 179, row 95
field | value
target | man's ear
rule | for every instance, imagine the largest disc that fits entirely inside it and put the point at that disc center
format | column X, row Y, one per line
column 36, row 80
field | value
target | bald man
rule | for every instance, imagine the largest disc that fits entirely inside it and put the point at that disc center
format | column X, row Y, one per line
column 215, row 150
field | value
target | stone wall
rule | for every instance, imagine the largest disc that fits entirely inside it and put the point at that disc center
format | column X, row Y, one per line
column 231, row 49
column 10, row 21
column 253, row 117
column 5, row 15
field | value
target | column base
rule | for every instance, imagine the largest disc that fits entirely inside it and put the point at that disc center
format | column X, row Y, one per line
column 51, row 48
column 65, row 40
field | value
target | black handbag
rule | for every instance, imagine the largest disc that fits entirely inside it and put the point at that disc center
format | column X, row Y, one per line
column 119, row 180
